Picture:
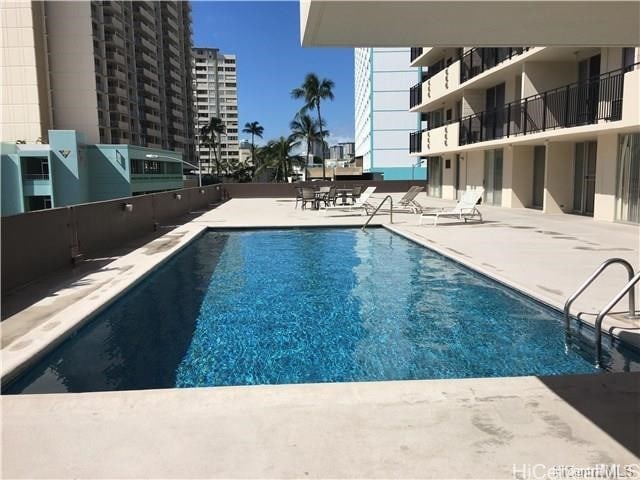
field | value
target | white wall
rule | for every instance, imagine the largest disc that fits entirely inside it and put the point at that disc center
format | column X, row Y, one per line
column 24, row 98
column 73, row 81
column 558, row 178
column 541, row 76
column 606, row 166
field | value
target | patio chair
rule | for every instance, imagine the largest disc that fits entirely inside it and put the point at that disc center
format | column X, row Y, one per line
column 308, row 195
column 465, row 209
column 330, row 198
column 356, row 191
column 362, row 203
column 408, row 202
column 298, row 196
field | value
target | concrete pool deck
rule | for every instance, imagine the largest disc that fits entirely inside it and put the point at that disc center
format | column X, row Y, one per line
column 547, row 256
column 477, row 428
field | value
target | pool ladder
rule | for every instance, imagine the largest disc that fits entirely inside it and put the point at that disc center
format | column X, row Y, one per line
column 378, row 208
column 627, row 289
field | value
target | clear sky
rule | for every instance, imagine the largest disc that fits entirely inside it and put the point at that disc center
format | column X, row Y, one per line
column 265, row 36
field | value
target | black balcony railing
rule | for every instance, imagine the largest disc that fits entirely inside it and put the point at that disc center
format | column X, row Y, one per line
column 477, row 60
column 576, row 104
column 415, row 141
column 416, row 52
column 415, row 95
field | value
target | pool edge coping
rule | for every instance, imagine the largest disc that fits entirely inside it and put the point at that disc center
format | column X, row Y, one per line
column 11, row 368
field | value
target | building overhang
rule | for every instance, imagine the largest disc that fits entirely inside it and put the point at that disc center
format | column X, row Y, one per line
column 405, row 23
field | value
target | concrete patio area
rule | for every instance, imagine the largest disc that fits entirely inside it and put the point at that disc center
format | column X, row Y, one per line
column 424, row 429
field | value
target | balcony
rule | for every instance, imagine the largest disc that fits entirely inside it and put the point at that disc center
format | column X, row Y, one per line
column 435, row 86
column 117, row 107
column 35, row 176
column 150, row 88
column 149, row 73
column 117, row 74
column 175, row 62
column 436, row 140
column 119, row 91
column 142, row 13
column 147, row 58
column 144, row 43
column 478, row 60
column 113, row 21
column 173, row 49
column 116, row 57
column 415, row 53
column 151, row 103
column 152, row 131
column 146, row 29
column 36, row 184
column 121, row 124
column 152, row 117
column 573, row 105
column 114, row 40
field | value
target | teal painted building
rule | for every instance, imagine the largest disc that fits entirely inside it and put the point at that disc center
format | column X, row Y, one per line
column 67, row 172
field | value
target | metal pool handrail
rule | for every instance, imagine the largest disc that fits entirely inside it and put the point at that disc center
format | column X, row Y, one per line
column 589, row 281
column 628, row 288
column 378, row 208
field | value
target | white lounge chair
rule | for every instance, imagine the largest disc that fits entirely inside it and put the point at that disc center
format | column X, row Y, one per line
column 465, row 209
column 408, row 201
column 407, row 204
column 361, row 203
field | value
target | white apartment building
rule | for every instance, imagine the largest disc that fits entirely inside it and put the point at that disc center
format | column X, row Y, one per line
column 117, row 72
column 382, row 120
column 556, row 129
column 216, row 96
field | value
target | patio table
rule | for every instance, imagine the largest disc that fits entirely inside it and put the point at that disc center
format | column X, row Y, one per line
column 320, row 196
column 344, row 193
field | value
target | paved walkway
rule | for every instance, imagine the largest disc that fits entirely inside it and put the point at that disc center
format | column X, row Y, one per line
column 446, row 428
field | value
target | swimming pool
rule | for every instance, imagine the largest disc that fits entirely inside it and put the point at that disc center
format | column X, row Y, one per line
column 313, row 305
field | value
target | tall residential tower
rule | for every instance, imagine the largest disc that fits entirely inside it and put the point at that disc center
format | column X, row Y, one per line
column 117, row 72
column 216, row 96
column 382, row 122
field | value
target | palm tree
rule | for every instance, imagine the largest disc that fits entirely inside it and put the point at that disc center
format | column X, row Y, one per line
column 313, row 91
column 256, row 130
column 303, row 127
column 210, row 134
column 276, row 155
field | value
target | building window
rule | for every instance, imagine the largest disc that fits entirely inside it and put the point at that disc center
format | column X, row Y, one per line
column 628, row 179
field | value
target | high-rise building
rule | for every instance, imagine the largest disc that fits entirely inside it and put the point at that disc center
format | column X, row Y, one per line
column 382, row 122
column 348, row 149
column 342, row 151
column 555, row 129
column 116, row 72
column 216, row 96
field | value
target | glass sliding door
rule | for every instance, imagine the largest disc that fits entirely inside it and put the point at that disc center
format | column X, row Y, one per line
column 457, row 178
column 434, row 175
column 584, row 178
column 538, row 176
column 493, row 177
column 628, row 179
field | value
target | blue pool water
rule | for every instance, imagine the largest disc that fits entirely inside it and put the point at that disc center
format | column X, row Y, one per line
column 314, row 305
